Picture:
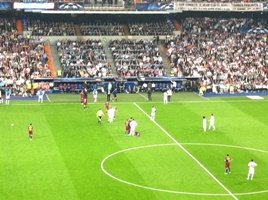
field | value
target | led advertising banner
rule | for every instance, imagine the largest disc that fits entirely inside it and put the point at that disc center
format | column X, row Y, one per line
column 70, row 6
column 6, row 6
column 154, row 6
column 265, row 7
column 33, row 6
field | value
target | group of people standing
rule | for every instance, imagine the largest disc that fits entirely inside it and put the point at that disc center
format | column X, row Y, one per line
column 167, row 96
column 110, row 110
column 83, row 98
column 7, row 96
column 130, row 127
column 251, row 167
column 211, row 123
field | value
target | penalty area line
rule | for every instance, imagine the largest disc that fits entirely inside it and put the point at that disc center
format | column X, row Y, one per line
column 143, row 96
column 189, row 154
column 48, row 98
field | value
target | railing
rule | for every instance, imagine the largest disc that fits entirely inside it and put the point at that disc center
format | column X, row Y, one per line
column 130, row 5
column 127, row 84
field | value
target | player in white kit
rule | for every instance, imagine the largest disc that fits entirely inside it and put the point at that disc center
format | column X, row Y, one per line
column 204, row 124
column 153, row 111
column 211, row 122
column 165, row 97
column 251, row 169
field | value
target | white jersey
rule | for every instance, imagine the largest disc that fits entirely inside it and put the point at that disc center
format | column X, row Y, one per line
column 251, row 166
column 165, row 95
column 40, row 93
column 204, row 122
column 212, row 119
column 133, row 124
column 8, row 95
column 153, row 111
column 95, row 93
column 169, row 92
column 111, row 112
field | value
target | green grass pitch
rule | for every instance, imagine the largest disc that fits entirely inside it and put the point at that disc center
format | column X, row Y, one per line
column 72, row 157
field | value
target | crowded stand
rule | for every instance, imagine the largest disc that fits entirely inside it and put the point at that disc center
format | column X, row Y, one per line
column 152, row 28
column 222, row 53
column 137, row 58
column 85, row 59
column 102, row 29
column 21, row 60
column 221, row 1
column 50, row 28
column 7, row 24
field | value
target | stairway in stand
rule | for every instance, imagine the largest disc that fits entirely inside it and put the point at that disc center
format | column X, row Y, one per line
column 109, row 55
column 77, row 30
column 55, row 58
column 177, row 25
column 50, row 60
column 126, row 30
column 166, row 62
column 19, row 26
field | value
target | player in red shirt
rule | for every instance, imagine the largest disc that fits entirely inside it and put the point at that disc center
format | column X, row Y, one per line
column 127, row 126
column 227, row 160
column 30, row 132
column 107, row 105
column 82, row 97
column 85, row 98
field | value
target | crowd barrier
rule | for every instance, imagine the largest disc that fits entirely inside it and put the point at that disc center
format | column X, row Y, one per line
column 128, row 85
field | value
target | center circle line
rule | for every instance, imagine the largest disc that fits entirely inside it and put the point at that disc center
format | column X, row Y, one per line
column 175, row 191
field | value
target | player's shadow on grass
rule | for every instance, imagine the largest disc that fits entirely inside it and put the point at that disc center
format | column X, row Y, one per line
column 40, row 137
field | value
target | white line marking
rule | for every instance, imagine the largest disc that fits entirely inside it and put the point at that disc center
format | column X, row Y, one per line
column 48, row 98
column 226, row 145
column 143, row 96
column 174, row 191
column 201, row 96
column 189, row 154
column 255, row 97
column 147, row 187
column 142, row 102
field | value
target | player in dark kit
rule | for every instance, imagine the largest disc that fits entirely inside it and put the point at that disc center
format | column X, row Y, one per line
column 107, row 105
column 82, row 97
column 30, row 132
column 85, row 99
column 127, row 126
column 227, row 160
column 114, row 95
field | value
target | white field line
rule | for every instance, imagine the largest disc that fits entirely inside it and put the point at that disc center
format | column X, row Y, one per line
column 142, row 102
column 201, row 96
column 175, row 191
column 143, row 96
column 189, row 154
column 147, row 187
column 225, row 145
column 48, row 98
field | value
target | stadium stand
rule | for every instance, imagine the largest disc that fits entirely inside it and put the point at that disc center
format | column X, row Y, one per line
column 7, row 24
column 83, row 58
column 21, row 60
column 152, row 28
column 100, row 28
column 137, row 58
column 223, row 1
column 226, row 54
column 50, row 28
column 222, row 52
